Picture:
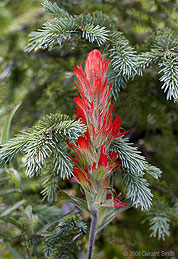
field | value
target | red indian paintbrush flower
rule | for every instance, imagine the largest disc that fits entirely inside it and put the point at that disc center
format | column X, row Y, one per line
column 94, row 161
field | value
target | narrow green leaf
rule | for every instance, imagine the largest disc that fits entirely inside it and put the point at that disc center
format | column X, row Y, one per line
column 63, row 195
column 111, row 214
column 28, row 213
column 13, row 222
column 15, row 177
column 9, row 191
column 48, row 225
column 81, row 204
column 11, row 209
column 13, row 251
column 4, row 179
column 6, row 129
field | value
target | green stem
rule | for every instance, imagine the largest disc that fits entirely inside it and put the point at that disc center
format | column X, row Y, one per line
column 92, row 234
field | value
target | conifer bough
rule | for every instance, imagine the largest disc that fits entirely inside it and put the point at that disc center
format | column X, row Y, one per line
column 126, row 62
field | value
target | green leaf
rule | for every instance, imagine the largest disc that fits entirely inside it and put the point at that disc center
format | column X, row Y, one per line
column 3, row 179
column 63, row 195
column 13, row 251
column 6, row 129
column 16, row 177
column 48, row 225
column 9, row 191
column 13, row 222
column 11, row 209
column 79, row 203
column 28, row 213
column 111, row 214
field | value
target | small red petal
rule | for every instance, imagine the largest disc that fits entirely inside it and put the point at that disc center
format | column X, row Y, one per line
column 81, row 177
column 94, row 166
column 73, row 159
column 86, row 168
column 118, row 203
column 80, row 91
column 103, row 160
column 71, row 179
column 113, row 155
column 116, row 126
column 83, row 144
column 121, row 134
column 108, row 196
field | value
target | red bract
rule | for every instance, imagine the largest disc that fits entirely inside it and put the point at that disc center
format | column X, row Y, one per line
column 94, row 109
column 117, row 203
column 81, row 177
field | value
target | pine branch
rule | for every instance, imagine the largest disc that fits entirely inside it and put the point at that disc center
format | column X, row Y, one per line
column 50, row 185
column 145, row 60
column 169, row 68
column 64, row 235
column 153, row 171
column 164, row 41
column 65, row 26
column 46, row 213
column 124, row 58
column 130, row 156
column 54, row 31
column 133, row 160
column 137, row 189
column 98, row 28
column 134, row 167
column 55, row 10
column 159, row 220
column 94, row 33
column 160, row 225
column 119, row 81
column 43, row 141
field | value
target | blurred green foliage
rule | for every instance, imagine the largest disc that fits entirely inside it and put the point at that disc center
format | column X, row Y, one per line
column 43, row 82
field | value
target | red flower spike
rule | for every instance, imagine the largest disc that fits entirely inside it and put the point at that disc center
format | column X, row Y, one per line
column 94, row 109
column 81, row 114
